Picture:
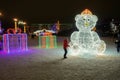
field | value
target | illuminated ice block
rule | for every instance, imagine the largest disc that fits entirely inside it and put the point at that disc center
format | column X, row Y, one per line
column 86, row 40
column 14, row 42
column 47, row 42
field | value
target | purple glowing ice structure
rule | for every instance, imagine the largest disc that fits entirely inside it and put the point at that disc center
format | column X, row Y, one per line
column 14, row 42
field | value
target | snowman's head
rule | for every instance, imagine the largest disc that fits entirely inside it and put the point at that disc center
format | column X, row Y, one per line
column 86, row 20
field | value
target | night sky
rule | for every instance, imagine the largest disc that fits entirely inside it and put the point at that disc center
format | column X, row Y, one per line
column 38, row 11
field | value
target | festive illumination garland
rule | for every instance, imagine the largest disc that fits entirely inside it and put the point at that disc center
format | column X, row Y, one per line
column 13, row 30
column 47, row 42
column 14, row 42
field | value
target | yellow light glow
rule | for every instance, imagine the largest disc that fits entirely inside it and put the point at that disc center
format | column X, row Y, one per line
column 15, row 19
column 24, row 23
column 0, row 14
column 24, row 26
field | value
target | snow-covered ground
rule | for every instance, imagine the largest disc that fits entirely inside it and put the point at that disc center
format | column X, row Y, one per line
column 48, row 64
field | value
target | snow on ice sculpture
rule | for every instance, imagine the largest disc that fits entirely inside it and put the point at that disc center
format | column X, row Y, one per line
column 86, row 40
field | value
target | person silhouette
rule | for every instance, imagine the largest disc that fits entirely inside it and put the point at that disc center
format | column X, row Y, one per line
column 65, row 46
column 117, row 42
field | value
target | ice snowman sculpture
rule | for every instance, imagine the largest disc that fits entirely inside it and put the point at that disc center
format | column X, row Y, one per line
column 86, row 40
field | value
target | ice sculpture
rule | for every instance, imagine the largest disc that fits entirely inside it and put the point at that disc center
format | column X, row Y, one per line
column 86, row 40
